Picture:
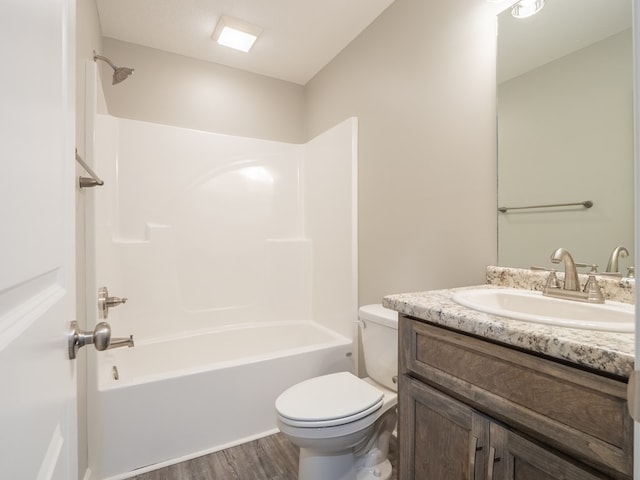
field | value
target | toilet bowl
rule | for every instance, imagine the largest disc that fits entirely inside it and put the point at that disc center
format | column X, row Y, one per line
column 343, row 423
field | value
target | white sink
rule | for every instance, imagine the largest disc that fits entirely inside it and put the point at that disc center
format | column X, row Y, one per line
column 534, row 307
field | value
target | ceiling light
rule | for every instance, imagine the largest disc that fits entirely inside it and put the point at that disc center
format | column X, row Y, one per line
column 527, row 8
column 234, row 33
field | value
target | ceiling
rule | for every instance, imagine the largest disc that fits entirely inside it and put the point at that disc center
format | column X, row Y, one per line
column 299, row 37
column 561, row 27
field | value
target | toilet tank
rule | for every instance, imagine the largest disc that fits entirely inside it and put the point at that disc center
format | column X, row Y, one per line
column 379, row 332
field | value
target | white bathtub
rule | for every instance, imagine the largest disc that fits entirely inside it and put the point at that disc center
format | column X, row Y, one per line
column 185, row 397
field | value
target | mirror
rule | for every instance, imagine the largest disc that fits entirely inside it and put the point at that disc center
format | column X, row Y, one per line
column 565, row 133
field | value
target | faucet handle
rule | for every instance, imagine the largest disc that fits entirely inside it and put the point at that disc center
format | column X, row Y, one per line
column 610, row 274
column 631, row 272
column 592, row 266
column 593, row 290
column 552, row 280
column 541, row 269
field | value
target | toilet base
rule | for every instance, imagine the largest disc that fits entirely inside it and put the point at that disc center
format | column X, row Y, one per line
column 382, row 471
column 323, row 466
column 315, row 466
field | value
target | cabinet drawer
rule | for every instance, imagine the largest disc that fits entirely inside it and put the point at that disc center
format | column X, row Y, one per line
column 575, row 411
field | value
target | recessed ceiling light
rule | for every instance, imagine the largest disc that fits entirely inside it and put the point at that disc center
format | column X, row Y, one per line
column 527, row 8
column 236, row 34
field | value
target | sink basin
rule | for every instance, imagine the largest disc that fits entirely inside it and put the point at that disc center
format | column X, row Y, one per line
column 534, row 307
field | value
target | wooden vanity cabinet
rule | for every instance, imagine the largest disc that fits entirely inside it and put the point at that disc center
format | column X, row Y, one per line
column 474, row 410
column 450, row 448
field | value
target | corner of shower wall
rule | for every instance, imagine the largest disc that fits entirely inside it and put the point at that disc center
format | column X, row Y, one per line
column 94, row 146
column 331, row 220
column 93, row 98
column 92, row 92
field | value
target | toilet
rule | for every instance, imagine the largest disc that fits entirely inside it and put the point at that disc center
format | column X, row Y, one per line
column 343, row 423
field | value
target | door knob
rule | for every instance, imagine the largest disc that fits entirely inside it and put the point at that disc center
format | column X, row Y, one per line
column 100, row 337
column 105, row 302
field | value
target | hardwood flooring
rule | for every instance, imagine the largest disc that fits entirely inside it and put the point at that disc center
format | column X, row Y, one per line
column 268, row 458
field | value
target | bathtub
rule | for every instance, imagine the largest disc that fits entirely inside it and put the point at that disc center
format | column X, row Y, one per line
column 167, row 401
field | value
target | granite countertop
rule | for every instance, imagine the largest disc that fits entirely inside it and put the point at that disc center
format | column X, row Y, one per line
column 603, row 351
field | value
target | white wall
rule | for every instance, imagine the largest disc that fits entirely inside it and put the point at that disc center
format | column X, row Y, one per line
column 566, row 135
column 177, row 90
column 420, row 80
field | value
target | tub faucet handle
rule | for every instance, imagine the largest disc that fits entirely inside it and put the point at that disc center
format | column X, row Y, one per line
column 105, row 302
column 100, row 337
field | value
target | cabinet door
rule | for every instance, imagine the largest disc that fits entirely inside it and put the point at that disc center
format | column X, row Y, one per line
column 512, row 457
column 440, row 438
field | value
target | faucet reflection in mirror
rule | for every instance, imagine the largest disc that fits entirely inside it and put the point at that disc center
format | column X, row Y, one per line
column 618, row 252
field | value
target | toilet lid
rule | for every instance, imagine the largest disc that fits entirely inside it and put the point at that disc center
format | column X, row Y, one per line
column 328, row 400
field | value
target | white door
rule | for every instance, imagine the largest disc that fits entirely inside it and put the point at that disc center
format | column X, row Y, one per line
column 37, row 270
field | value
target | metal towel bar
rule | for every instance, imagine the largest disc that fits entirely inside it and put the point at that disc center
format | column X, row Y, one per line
column 86, row 181
column 585, row 204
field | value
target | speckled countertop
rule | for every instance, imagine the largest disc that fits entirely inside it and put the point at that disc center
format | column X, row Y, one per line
column 604, row 351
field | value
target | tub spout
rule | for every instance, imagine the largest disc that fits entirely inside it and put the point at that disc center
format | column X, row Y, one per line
column 121, row 342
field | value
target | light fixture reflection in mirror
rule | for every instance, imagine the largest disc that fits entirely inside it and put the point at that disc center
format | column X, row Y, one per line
column 526, row 8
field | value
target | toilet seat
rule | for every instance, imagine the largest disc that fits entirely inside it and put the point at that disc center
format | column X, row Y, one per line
column 327, row 401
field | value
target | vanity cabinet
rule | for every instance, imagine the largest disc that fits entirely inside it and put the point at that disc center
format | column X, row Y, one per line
column 471, row 409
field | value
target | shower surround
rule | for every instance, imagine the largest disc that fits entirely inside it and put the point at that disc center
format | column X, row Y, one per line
column 238, row 259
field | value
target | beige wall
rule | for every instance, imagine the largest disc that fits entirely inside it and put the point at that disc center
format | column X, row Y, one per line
column 421, row 80
column 176, row 90
column 88, row 39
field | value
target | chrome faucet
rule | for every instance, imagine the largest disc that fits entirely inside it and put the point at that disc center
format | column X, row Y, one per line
column 571, row 287
column 121, row 342
column 618, row 252
column 571, row 281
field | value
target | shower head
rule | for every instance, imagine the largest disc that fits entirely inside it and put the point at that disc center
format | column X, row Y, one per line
column 119, row 73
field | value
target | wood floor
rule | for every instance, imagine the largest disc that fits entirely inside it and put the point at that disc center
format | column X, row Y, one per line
column 269, row 458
